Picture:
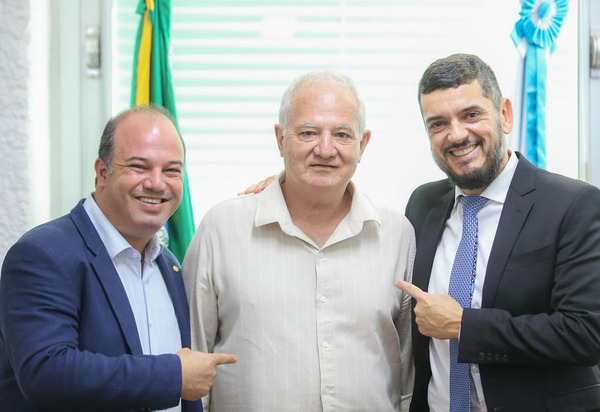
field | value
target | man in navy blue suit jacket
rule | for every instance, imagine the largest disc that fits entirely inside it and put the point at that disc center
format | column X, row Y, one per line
column 531, row 335
column 89, row 301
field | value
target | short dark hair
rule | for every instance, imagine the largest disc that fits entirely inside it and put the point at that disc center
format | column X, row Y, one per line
column 105, row 150
column 459, row 69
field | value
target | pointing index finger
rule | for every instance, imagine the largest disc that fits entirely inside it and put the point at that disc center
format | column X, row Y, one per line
column 224, row 358
column 409, row 288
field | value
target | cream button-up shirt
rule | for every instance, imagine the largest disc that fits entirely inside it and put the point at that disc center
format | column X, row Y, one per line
column 314, row 329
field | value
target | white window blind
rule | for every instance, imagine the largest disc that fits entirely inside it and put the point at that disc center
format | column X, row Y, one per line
column 232, row 60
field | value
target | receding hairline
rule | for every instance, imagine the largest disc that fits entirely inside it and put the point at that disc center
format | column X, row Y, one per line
column 310, row 79
column 152, row 111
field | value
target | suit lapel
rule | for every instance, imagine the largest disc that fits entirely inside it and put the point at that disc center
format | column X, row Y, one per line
column 170, row 271
column 514, row 214
column 109, row 278
column 431, row 233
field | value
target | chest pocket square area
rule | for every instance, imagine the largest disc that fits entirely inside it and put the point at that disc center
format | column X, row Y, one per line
column 520, row 259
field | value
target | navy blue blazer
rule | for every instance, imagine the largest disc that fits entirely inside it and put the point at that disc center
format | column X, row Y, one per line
column 537, row 336
column 68, row 338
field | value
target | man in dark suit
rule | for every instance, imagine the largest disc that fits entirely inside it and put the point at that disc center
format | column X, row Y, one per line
column 531, row 335
column 93, row 314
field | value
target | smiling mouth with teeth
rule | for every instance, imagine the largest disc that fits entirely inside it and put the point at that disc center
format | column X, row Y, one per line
column 148, row 200
column 465, row 151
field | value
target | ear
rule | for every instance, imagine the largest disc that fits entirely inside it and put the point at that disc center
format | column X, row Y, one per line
column 279, row 137
column 506, row 116
column 364, row 142
column 101, row 170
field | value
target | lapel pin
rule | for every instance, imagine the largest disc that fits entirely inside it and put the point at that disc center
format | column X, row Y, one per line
column 175, row 268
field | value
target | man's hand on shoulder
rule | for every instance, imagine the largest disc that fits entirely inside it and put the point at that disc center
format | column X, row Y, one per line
column 258, row 187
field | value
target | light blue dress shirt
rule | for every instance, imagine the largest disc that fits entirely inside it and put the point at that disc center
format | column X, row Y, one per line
column 489, row 218
column 145, row 287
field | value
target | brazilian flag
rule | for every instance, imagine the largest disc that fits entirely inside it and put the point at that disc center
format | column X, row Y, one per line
column 151, row 84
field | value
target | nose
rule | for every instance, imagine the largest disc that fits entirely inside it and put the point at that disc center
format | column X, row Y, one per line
column 458, row 132
column 154, row 180
column 325, row 147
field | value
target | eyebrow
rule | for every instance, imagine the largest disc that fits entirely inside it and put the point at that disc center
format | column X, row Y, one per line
column 431, row 118
column 462, row 111
column 472, row 107
column 307, row 126
column 143, row 159
column 314, row 126
column 129, row 159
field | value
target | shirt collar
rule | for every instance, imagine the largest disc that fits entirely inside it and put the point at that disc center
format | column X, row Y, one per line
column 113, row 241
column 498, row 189
column 273, row 209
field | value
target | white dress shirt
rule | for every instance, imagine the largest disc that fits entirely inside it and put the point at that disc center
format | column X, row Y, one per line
column 314, row 329
column 145, row 287
column 488, row 218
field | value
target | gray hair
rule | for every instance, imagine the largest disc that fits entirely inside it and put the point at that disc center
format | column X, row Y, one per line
column 105, row 150
column 315, row 77
column 459, row 69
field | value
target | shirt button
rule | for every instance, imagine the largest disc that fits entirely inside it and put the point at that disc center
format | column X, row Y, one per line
column 323, row 299
column 325, row 344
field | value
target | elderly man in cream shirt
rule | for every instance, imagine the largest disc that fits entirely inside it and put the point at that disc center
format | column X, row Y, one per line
column 298, row 281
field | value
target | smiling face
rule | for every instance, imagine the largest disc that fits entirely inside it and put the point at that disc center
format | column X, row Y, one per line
column 466, row 134
column 146, row 183
column 320, row 144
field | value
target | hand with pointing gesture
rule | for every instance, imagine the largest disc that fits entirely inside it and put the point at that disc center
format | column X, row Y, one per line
column 198, row 371
column 437, row 315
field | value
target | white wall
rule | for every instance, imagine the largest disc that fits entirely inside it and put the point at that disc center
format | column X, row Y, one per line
column 15, row 39
column 52, row 112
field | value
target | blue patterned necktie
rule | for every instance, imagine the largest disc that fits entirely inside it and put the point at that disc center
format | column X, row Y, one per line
column 462, row 282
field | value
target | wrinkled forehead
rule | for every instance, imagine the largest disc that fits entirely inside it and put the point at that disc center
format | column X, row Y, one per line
column 326, row 99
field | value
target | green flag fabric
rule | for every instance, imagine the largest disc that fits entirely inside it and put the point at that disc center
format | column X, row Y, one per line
column 151, row 84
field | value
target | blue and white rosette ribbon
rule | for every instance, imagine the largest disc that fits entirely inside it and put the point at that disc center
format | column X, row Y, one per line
column 539, row 25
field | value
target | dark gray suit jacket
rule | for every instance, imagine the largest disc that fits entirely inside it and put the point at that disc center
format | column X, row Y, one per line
column 537, row 336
